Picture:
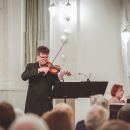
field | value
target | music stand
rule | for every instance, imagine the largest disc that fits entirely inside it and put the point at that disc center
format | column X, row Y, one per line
column 97, row 87
column 78, row 89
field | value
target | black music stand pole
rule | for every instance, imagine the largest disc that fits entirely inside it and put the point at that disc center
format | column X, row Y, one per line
column 65, row 99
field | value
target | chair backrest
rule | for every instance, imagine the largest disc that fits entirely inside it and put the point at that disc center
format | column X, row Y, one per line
column 114, row 108
column 128, row 100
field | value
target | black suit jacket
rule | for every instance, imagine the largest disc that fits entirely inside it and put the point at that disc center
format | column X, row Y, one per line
column 80, row 125
column 39, row 89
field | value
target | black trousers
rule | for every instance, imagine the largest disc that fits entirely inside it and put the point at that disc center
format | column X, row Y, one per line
column 46, row 107
column 39, row 108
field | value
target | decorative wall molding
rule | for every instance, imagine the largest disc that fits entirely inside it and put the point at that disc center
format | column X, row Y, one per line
column 8, row 85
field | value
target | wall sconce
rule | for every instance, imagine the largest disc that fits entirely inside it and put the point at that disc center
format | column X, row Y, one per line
column 126, row 32
column 53, row 9
column 64, row 10
column 67, row 32
column 67, row 11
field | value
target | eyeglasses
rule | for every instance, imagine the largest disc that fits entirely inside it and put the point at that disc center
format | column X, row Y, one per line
column 44, row 57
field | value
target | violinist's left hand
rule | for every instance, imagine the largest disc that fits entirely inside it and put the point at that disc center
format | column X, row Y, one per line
column 62, row 73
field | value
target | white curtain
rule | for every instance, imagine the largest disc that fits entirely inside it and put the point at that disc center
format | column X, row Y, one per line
column 37, row 27
column 11, row 41
column 125, row 23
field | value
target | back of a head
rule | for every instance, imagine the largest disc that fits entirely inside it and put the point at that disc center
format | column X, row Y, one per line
column 29, row 122
column 64, row 107
column 115, row 125
column 58, row 120
column 2, row 128
column 99, row 100
column 96, row 116
column 124, row 113
column 7, row 115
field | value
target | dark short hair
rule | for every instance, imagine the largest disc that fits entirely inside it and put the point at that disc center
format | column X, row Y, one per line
column 7, row 114
column 115, row 88
column 43, row 49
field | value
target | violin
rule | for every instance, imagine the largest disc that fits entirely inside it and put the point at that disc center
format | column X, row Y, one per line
column 54, row 69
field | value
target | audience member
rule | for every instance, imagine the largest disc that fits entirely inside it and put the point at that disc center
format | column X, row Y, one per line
column 98, row 100
column 65, row 108
column 29, row 122
column 124, row 113
column 7, row 115
column 58, row 120
column 2, row 128
column 115, row 125
column 116, row 93
column 97, row 115
column 80, row 125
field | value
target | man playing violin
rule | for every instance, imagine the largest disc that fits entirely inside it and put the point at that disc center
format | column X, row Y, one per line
column 40, row 83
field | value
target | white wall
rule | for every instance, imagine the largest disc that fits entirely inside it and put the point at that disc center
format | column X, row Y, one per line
column 94, row 46
column 100, row 40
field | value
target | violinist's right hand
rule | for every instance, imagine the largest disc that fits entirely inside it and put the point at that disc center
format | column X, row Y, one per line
column 43, row 69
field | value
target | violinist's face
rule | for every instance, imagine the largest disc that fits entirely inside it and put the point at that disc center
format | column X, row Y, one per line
column 42, row 59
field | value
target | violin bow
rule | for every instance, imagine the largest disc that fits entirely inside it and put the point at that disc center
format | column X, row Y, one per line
column 58, row 53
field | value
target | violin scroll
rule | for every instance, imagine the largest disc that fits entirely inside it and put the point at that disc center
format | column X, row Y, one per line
column 67, row 73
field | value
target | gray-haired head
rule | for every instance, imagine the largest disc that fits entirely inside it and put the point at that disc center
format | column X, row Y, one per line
column 115, row 125
column 99, row 100
column 29, row 122
column 96, row 116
